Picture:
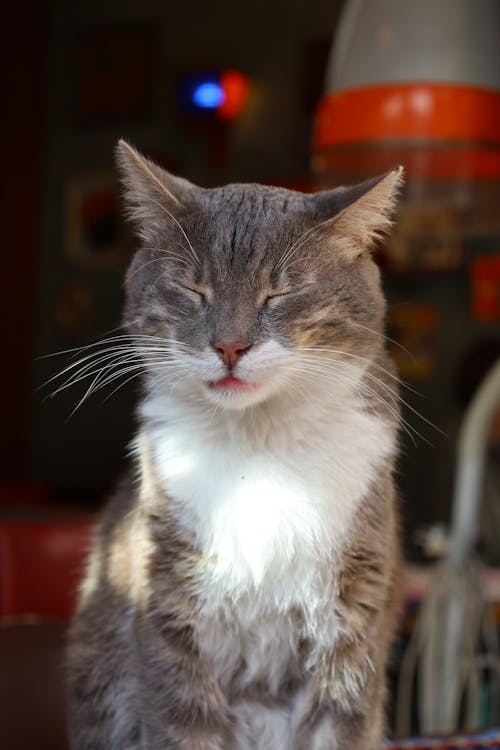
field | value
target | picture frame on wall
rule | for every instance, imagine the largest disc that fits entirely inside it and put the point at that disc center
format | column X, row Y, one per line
column 94, row 234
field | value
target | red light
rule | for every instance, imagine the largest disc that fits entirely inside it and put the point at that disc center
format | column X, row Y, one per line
column 236, row 88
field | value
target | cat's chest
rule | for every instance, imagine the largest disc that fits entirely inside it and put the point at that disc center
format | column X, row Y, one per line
column 269, row 512
column 265, row 651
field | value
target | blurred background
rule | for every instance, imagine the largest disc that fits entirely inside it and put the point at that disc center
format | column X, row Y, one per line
column 302, row 95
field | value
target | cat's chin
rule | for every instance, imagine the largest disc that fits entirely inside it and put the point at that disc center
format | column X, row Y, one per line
column 232, row 393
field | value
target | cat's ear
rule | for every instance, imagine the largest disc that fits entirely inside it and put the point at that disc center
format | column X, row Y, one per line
column 361, row 214
column 152, row 195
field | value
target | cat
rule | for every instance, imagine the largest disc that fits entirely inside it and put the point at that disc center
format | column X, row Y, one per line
column 244, row 582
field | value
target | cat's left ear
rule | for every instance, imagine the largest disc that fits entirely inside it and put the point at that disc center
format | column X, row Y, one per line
column 151, row 194
column 356, row 217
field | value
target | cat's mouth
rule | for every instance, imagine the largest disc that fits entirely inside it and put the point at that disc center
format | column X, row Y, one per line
column 230, row 382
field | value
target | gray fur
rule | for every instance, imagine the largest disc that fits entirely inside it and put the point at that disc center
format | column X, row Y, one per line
column 208, row 267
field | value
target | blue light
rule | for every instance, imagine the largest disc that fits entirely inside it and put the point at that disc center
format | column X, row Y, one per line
column 208, row 95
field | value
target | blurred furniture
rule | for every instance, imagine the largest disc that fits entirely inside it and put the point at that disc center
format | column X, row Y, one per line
column 42, row 556
column 41, row 562
column 32, row 703
column 451, row 668
column 482, row 741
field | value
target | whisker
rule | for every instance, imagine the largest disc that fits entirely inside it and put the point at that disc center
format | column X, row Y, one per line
column 338, row 352
column 338, row 362
column 295, row 247
column 332, row 365
column 113, row 358
column 169, row 213
column 160, row 366
column 96, row 358
column 156, row 249
column 129, row 342
column 108, row 363
column 384, row 336
column 163, row 258
column 374, row 397
column 140, row 369
column 123, row 337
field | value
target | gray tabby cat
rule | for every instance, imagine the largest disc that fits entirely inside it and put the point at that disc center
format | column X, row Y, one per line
column 244, row 581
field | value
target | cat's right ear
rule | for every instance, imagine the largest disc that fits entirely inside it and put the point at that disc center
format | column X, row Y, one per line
column 152, row 195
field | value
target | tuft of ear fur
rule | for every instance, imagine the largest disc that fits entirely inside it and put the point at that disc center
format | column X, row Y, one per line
column 368, row 214
column 152, row 194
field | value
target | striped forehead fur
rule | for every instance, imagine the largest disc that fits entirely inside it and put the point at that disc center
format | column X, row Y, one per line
column 238, row 214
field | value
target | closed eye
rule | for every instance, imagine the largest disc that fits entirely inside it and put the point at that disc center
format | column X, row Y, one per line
column 274, row 297
column 194, row 293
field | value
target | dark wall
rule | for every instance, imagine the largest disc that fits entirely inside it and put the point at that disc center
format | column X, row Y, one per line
column 23, row 64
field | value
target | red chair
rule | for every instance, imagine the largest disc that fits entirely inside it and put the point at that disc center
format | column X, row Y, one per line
column 42, row 558
column 41, row 563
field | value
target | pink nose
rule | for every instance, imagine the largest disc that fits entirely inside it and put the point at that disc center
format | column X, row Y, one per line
column 230, row 352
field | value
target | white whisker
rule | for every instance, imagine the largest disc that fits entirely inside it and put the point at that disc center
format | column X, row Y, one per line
column 169, row 213
column 344, row 353
column 108, row 355
column 386, row 338
column 114, row 358
column 334, row 364
column 164, row 258
column 295, row 247
column 374, row 397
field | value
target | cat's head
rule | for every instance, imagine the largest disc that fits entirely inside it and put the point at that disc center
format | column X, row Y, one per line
column 240, row 292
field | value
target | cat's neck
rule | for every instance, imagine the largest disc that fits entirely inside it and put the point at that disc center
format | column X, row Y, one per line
column 258, row 487
column 308, row 410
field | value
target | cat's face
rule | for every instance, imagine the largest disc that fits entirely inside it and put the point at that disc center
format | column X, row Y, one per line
column 241, row 292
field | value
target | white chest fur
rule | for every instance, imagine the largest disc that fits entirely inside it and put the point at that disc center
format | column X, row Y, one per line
column 270, row 496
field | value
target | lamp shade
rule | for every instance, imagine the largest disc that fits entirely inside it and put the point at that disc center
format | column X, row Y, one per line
column 403, row 72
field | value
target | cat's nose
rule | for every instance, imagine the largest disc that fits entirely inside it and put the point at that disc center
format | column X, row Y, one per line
column 231, row 351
